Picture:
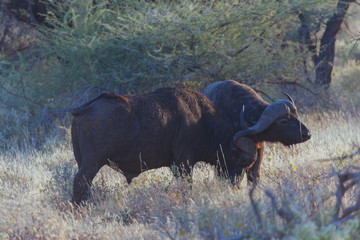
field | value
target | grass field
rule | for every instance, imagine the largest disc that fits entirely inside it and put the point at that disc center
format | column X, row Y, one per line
column 294, row 200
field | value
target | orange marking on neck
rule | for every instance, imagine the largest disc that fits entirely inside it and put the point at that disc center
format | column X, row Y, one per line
column 260, row 145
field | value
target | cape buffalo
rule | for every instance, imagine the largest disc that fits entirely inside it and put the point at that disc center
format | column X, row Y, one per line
column 252, row 117
column 161, row 128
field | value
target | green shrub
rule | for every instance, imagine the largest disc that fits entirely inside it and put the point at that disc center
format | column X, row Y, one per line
column 136, row 46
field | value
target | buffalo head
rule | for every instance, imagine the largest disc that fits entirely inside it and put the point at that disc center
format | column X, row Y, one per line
column 278, row 123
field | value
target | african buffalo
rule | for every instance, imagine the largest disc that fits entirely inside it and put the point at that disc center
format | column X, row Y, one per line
column 165, row 127
column 252, row 117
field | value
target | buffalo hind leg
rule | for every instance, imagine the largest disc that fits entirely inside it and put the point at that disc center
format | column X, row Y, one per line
column 82, row 183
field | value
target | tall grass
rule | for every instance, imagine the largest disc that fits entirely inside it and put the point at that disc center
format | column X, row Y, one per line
column 35, row 188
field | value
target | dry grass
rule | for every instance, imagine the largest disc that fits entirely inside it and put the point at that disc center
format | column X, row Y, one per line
column 35, row 187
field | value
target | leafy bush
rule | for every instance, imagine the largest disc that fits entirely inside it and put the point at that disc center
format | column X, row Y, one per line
column 136, row 46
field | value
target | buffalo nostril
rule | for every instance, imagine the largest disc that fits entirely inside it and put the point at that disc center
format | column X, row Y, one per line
column 306, row 135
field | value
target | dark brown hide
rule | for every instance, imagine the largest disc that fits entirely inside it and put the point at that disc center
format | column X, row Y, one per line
column 230, row 97
column 165, row 127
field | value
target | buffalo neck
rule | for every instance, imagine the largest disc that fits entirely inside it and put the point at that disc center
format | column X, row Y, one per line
column 220, row 141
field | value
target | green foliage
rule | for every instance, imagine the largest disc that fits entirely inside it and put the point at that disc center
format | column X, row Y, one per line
column 136, row 46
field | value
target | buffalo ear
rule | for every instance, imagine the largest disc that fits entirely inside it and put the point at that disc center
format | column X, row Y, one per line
column 246, row 145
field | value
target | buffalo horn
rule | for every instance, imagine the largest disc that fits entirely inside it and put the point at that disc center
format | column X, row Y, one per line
column 289, row 97
column 270, row 114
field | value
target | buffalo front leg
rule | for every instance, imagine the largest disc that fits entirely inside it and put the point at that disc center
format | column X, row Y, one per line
column 237, row 177
column 82, row 183
column 253, row 173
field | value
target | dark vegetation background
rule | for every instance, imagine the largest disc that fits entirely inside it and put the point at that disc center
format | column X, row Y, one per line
column 55, row 55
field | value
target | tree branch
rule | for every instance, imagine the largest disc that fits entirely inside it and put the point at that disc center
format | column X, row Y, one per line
column 304, row 32
column 259, row 91
column 352, row 155
column 238, row 52
column 19, row 96
column 298, row 85
column 284, row 213
column 255, row 206
column 325, row 60
column 347, row 180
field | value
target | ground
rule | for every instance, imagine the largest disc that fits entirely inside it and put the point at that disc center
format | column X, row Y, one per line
column 36, row 186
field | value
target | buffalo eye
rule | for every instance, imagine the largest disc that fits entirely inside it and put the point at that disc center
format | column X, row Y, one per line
column 283, row 121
